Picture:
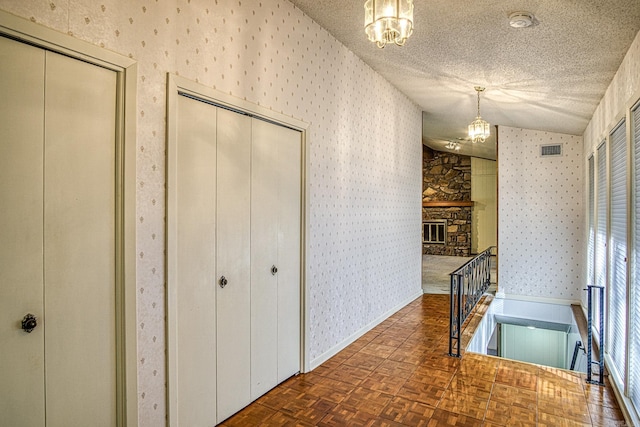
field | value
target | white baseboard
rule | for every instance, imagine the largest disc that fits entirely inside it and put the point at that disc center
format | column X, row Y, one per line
column 314, row 363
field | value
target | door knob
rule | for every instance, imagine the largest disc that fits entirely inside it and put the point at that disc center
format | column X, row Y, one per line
column 274, row 270
column 29, row 323
column 223, row 281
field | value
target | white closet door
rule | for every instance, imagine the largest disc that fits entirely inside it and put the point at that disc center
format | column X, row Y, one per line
column 264, row 257
column 233, row 262
column 57, row 208
column 289, row 165
column 275, row 242
column 194, row 206
column 21, row 187
column 79, row 233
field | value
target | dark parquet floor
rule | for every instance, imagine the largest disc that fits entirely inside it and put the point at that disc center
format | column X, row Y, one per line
column 399, row 374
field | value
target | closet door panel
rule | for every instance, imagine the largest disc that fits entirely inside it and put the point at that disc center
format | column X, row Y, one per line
column 233, row 262
column 288, row 165
column 21, row 279
column 195, row 257
column 79, row 236
column 264, row 257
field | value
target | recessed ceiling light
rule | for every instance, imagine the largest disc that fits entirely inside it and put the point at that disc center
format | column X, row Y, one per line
column 522, row 19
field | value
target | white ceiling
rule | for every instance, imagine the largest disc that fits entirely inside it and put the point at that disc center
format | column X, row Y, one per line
column 548, row 77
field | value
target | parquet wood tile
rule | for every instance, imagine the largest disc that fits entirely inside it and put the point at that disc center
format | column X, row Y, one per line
column 603, row 416
column 521, row 375
column 461, row 398
column 380, row 350
column 364, row 361
column 348, row 374
column 390, row 339
column 399, row 374
column 365, row 400
column 421, row 392
column 512, row 406
column 428, row 374
column 396, row 369
column 254, row 414
column 384, row 383
column 441, row 418
column 408, row 412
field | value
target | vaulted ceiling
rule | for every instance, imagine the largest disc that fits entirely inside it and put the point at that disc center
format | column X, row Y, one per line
column 550, row 76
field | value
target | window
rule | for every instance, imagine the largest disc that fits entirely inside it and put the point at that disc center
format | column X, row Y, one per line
column 634, row 339
column 617, row 293
column 600, row 246
column 591, row 218
column 434, row 231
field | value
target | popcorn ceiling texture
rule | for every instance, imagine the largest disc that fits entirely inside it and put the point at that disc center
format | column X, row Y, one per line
column 541, row 215
column 364, row 169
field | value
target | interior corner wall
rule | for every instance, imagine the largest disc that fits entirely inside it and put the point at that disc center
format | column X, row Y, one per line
column 540, row 215
column 364, row 170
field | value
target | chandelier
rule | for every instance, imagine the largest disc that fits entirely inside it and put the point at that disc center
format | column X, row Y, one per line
column 387, row 21
column 479, row 129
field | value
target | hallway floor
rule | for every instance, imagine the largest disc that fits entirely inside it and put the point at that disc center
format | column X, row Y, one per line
column 398, row 374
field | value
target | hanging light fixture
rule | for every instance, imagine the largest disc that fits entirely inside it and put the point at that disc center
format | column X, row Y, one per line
column 388, row 21
column 479, row 129
column 452, row 145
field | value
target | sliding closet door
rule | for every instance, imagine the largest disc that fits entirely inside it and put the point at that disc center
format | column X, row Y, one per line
column 264, row 256
column 289, row 206
column 21, row 234
column 58, row 228
column 275, row 255
column 79, row 237
column 233, row 292
column 193, row 203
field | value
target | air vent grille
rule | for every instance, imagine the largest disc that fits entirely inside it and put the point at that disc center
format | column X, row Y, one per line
column 551, row 150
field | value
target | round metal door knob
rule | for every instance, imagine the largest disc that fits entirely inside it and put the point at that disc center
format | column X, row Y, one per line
column 223, row 281
column 29, row 323
column 274, row 270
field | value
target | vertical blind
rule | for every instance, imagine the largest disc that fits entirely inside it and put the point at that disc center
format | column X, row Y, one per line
column 601, row 227
column 617, row 293
column 591, row 214
column 634, row 344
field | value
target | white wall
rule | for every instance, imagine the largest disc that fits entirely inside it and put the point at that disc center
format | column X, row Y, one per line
column 364, row 171
column 541, row 214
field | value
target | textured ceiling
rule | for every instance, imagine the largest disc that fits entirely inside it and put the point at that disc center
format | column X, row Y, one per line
column 547, row 77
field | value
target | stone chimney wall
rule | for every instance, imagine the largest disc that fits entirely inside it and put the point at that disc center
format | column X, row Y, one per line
column 447, row 177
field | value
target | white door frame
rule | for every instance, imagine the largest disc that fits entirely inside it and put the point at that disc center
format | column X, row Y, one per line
column 177, row 85
column 126, row 69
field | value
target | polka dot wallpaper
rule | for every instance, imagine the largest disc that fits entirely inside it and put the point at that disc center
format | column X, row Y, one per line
column 624, row 89
column 540, row 215
column 364, row 171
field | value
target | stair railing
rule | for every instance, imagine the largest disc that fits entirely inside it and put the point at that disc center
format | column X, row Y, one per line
column 590, row 361
column 468, row 284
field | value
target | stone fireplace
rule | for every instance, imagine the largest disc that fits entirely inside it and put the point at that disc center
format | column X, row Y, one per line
column 446, row 197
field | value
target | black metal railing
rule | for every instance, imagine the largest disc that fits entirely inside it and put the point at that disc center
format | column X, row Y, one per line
column 590, row 361
column 468, row 284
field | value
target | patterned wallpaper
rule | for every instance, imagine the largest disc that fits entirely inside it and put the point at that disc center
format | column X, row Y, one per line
column 624, row 88
column 541, row 214
column 364, row 171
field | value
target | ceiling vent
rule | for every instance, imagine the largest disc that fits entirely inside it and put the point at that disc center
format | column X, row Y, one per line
column 551, row 150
